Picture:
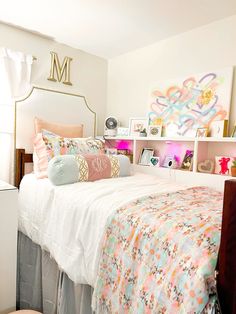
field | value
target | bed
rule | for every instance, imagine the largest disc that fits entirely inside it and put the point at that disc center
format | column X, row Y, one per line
column 66, row 235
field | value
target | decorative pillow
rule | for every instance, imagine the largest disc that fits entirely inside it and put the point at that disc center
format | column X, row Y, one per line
column 88, row 167
column 47, row 145
column 64, row 130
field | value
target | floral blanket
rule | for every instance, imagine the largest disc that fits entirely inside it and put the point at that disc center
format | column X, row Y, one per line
column 159, row 254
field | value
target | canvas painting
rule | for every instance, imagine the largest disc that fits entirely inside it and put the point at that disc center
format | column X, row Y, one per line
column 184, row 105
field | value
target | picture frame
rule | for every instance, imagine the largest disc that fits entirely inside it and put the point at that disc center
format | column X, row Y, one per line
column 202, row 132
column 145, row 156
column 136, row 125
column 154, row 130
column 187, row 161
column 233, row 133
column 218, row 129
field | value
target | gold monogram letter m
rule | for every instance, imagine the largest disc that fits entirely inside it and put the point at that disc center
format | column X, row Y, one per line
column 60, row 70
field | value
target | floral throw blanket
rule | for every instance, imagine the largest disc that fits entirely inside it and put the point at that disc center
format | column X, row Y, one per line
column 159, row 254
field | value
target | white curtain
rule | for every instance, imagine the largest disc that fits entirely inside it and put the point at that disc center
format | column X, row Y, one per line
column 15, row 73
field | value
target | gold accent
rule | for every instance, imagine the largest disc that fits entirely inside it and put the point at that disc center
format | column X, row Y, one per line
column 83, row 168
column 115, row 166
column 60, row 70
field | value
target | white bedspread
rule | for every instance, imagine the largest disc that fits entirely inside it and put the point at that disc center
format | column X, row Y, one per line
column 69, row 221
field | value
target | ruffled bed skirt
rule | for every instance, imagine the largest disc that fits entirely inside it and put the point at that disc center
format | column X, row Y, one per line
column 43, row 287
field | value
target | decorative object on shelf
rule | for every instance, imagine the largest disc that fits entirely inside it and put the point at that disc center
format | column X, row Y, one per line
column 218, row 128
column 145, row 156
column 233, row 168
column 136, row 125
column 206, row 166
column 111, row 151
column 155, row 161
column 171, row 162
column 154, row 130
column 143, row 133
column 188, row 160
column 122, row 131
column 110, row 128
column 125, row 152
column 233, row 134
column 223, row 164
column 192, row 102
column 202, row 132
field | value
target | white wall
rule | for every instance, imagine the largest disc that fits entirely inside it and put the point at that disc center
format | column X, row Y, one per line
column 131, row 75
column 88, row 72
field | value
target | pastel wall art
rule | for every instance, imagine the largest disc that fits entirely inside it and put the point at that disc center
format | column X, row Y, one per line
column 184, row 105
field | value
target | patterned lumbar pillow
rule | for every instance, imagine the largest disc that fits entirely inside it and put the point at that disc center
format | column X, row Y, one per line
column 67, row 169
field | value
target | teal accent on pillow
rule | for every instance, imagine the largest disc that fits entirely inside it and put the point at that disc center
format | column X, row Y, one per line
column 65, row 169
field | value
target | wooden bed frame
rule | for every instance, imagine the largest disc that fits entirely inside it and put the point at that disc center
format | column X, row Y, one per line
column 226, row 266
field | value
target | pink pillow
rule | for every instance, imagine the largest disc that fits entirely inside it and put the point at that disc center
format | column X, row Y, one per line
column 94, row 167
column 64, row 130
column 47, row 145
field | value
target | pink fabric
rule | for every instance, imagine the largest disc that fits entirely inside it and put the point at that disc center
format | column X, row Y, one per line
column 99, row 166
column 40, row 157
column 64, row 130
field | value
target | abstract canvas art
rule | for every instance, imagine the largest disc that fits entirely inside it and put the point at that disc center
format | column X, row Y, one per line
column 184, row 105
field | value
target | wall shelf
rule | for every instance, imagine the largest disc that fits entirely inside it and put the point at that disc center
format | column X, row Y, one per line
column 204, row 148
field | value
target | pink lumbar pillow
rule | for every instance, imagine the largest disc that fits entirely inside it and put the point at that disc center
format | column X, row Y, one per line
column 64, row 130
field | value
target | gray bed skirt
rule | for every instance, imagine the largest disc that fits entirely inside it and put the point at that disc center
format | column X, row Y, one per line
column 42, row 286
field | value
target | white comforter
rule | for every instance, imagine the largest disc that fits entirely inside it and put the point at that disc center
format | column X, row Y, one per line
column 69, row 221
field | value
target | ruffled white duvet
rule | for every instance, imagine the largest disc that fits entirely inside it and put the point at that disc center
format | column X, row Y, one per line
column 69, row 221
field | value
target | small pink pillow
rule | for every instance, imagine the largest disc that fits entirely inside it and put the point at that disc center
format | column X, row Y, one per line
column 64, row 130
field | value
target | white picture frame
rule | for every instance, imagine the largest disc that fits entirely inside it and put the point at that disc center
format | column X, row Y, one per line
column 218, row 129
column 145, row 156
column 154, row 130
column 136, row 125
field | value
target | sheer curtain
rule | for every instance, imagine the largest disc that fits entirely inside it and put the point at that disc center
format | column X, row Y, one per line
column 15, row 72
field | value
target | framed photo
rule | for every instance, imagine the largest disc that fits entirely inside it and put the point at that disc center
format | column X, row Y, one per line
column 202, row 132
column 219, row 128
column 154, row 130
column 145, row 156
column 223, row 164
column 136, row 125
column 188, row 160
column 155, row 161
column 233, row 134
